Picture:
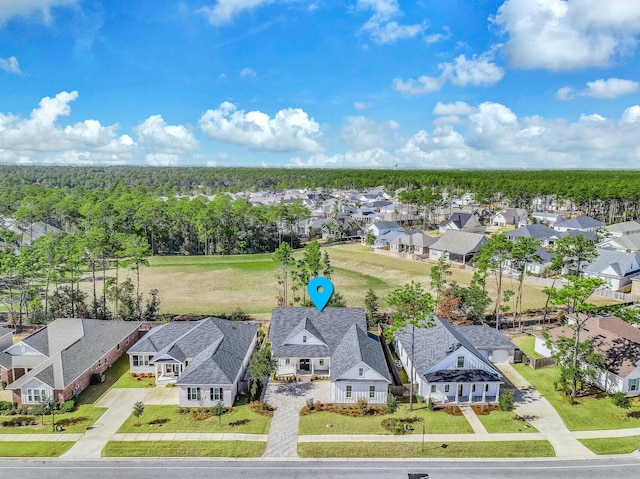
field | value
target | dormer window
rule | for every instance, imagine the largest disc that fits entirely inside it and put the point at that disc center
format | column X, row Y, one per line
column 304, row 339
column 360, row 372
column 460, row 362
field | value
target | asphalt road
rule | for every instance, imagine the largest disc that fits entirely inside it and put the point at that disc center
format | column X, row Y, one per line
column 198, row 469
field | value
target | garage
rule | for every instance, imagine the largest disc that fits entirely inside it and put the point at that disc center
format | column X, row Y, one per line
column 500, row 356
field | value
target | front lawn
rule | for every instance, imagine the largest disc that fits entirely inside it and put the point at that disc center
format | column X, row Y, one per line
column 34, row 448
column 75, row 422
column 431, row 449
column 112, row 374
column 126, row 381
column 501, row 421
column 167, row 419
column 184, row 449
column 613, row 445
column 591, row 412
column 435, row 422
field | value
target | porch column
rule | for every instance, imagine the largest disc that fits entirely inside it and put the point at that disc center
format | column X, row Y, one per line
column 498, row 392
column 313, row 366
column 484, row 392
column 471, row 394
column 456, row 391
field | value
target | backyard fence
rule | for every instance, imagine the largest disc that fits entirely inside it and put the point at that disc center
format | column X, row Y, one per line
column 538, row 363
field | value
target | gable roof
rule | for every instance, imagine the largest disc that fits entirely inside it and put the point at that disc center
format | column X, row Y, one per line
column 459, row 242
column 460, row 220
column 484, row 337
column 432, row 345
column 627, row 242
column 537, row 231
column 216, row 348
column 578, row 223
column 357, row 346
column 381, row 225
column 620, row 262
column 69, row 347
column 416, row 239
column 624, row 227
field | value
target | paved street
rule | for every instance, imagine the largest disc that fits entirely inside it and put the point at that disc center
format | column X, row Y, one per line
column 288, row 399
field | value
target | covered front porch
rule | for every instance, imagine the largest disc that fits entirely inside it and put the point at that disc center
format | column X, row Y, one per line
column 303, row 366
column 462, row 386
column 168, row 372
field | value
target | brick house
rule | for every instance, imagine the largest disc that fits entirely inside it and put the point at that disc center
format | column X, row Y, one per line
column 58, row 360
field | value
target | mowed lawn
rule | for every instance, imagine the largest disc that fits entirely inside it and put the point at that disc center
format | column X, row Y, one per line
column 220, row 284
column 590, row 412
column 184, row 449
column 613, row 445
column 435, row 422
column 34, row 448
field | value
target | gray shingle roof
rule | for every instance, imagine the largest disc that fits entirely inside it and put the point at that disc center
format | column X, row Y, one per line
column 484, row 337
column 217, row 347
column 579, row 223
column 355, row 347
column 4, row 331
column 537, row 231
column 628, row 242
column 624, row 227
column 432, row 345
column 459, row 219
column 461, row 375
column 621, row 263
column 459, row 242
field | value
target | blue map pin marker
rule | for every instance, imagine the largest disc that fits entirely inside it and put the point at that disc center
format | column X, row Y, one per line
column 320, row 290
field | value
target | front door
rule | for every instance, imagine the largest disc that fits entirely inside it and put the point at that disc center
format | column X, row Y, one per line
column 459, row 390
column 304, row 364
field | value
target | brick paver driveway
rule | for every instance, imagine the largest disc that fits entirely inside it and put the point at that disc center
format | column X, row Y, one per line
column 288, row 399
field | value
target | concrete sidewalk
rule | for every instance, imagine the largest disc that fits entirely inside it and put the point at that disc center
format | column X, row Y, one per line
column 532, row 406
column 188, row 436
column 527, row 436
column 473, row 420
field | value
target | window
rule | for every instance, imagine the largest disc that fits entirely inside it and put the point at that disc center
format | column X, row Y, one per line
column 215, row 394
column 433, row 388
column 127, row 342
column 36, row 395
column 486, row 387
column 473, row 388
column 349, row 391
column 360, row 372
column 372, row 392
column 99, row 362
column 460, row 362
column 634, row 384
column 287, row 362
column 135, row 360
column 446, row 388
column 321, row 362
column 118, row 346
column 193, row 394
column 304, row 339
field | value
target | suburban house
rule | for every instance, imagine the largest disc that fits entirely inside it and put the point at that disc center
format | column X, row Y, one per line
column 547, row 218
column 538, row 266
column 462, row 222
column 615, row 268
column 333, row 342
column 622, row 229
column 627, row 243
column 457, row 246
column 510, row 216
column 617, row 340
column 580, row 223
column 547, row 236
column 206, row 359
column 453, row 364
column 415, row 243
column 378, row 228
column 57, row 361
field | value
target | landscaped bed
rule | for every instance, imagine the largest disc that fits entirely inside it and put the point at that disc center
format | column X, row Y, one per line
column 34, row 448
column 167, row 419
column 613, row 445
column 497, row 449
column 435, row 422
column 138, row 381
column 591, row 412
column 75, row 422
column 184, row 449
column 495, row 421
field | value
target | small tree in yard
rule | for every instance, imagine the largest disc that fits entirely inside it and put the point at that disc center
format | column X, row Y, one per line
column 506, row 401
column 138, row 410
column 41, row 409
column 218, row 410
column 261, row 367
column 413, row 308
column 371, row 305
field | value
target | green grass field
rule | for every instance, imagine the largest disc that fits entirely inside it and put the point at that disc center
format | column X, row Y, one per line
column 220, row 284
column 176, row 422
column 590, row 412
column 527, row 344
column 34, row 448
column 435, row 422
column 112, row 374
column 613, row 445
column 75, row 422
column 500, row 421
column 496, row 449
column 184, row 449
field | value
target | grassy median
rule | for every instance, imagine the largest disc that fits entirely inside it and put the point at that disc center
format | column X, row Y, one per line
column 184, row 449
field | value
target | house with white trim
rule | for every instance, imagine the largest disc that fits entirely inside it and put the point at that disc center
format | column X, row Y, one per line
column 454, row 364
column 206, row 359
column 615, row 268
column 333, row 342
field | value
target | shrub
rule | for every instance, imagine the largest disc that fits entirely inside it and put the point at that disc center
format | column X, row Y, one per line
column 95, row 378
column 620, row 400
column 363, row 405
column 309, row 402
column 400, row 425
column 505, row 401
column 430, row 405
column 5, row 406
column 68, row 406
column 392, row 404
column 262, row 408
column 19, row 421
column 160, row 421
column 239, row 422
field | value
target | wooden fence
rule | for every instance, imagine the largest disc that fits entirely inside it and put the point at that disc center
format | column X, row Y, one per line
column 537, row 363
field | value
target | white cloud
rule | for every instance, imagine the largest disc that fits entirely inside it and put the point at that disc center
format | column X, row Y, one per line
column 381, row 27
column 224, row 11
column 565, row 93
column 156, row 133
column 161, row 159
column 27, row 8
column 457, row 108
column 373, row 158
column 247, row 72
column 290, row 129
column 601, row 89
column 631, row 115
column 359, row 105
column 10, row 65
column 463, row 71
column 361, row 133
column 438, row 37
column 567, row 34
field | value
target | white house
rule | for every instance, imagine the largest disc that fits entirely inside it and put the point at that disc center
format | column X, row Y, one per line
column 378, row 228
column 622, row 229
column 462, row 222
column 448, row 367
column 547, row 218
column 206, row 359
column 510, row 216
column 333, row 342
column 580, row 223
column 615, row 268
column 457, row 246
column 620, row 344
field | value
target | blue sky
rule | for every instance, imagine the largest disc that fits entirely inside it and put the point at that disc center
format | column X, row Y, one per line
column 312, row 83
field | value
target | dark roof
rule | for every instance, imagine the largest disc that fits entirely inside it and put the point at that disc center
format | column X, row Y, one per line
column 484, row 337
column 216, row 348
column 357, row 346
column 578, row 223
column 537, row 231
column 385, row 224
column 432, row 345
column 459, row 219
column 461, row 375
column 459, row 242
column 39, row 341
column 4, row 331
